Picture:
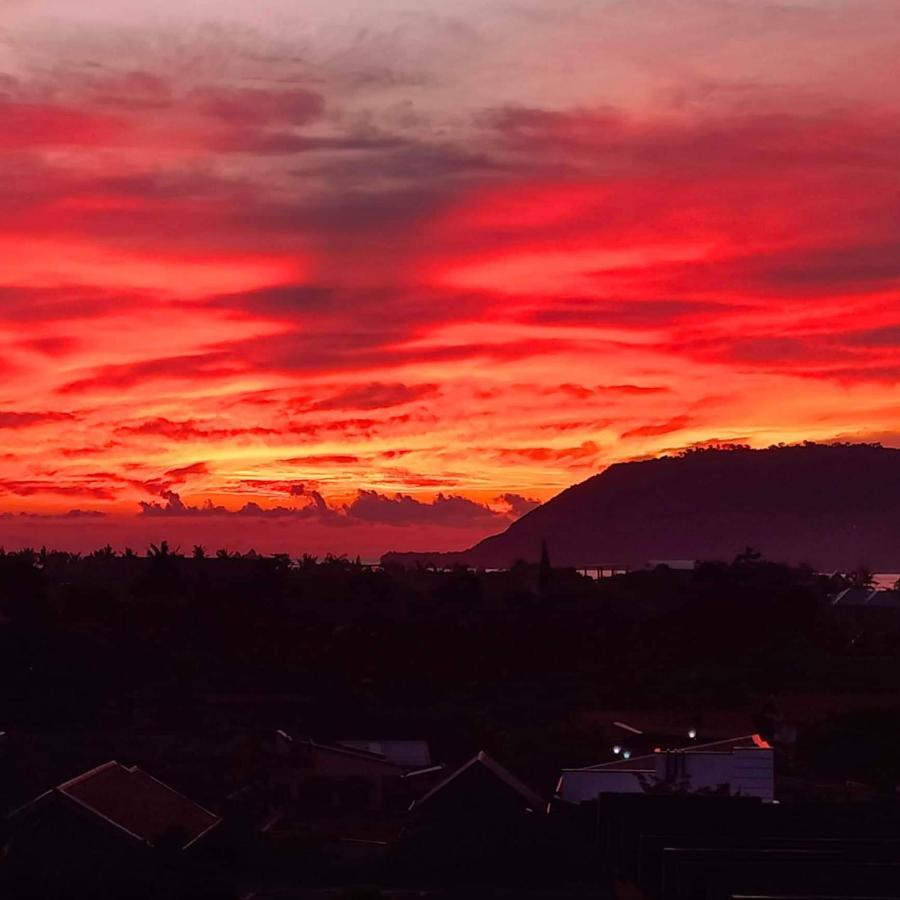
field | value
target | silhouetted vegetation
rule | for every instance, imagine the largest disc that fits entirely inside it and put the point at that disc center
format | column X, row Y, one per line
column 473, row 658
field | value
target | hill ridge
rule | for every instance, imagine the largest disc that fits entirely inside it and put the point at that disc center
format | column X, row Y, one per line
column 833, row 506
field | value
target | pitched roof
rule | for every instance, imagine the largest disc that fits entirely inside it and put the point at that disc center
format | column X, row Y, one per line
column 137, row 803
column 413, row 754
column 867, row 597
column 340, row 749
column 533, row 799
column 428, row 770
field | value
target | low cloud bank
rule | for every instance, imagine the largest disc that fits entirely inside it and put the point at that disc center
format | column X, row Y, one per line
column 371, row 507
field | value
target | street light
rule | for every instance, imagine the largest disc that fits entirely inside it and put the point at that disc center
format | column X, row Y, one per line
column 617, row 749
column 692, row 733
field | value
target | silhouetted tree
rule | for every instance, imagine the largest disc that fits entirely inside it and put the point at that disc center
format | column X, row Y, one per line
column 161, row 551
column 106, row 552
column 281, row 561
column 545, row 571
column 748, row 556
column 861, row 578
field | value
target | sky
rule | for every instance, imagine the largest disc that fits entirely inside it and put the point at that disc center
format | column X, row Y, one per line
column 367, row 275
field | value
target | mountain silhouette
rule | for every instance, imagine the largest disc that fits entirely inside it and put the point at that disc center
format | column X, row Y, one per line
column 835, row 507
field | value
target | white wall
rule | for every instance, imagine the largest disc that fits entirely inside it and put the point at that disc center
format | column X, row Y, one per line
column 749, row 772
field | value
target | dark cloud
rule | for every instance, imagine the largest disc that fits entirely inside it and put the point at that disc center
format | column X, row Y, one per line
column 288, row 143
column 37, row 486
column 370, row 506
column 184, row 472
column 803, row 271
column 592, row 312
column 703, row 147
column 323, row 459
column 886, row 337
column 189, row 430
column 404, row 161
column 195, row 367
column 129, row 91
column 89, row 450
column 632, row 389
column 518, row 505
column 349, row 428
column 69, row 515
column 778, row 351
column 53, row 347
column 659, row 428
column 832, row 269
column 581, row 454
column 21, row 303
column 377, row 395
column 16, row 420
column 257, row 107
column 173, row 507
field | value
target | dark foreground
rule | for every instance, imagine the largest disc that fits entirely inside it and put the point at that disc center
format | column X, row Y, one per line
column 293, row 729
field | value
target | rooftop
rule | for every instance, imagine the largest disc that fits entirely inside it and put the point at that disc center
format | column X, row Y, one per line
column 648, row 761
column 532, row 799
column 138, row 804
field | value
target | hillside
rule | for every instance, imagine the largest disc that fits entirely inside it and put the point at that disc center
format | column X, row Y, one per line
column 832, row 506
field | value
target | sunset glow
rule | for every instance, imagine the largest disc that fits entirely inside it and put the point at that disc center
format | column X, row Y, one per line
column 360, row 276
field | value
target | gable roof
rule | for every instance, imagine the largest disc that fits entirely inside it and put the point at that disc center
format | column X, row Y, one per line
column 137, row 804
column 531, row 798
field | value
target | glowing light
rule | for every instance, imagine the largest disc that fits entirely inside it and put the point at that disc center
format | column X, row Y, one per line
column 617, row 749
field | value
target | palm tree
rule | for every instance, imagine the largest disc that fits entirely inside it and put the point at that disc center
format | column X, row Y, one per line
column 159, row 552
column 106, row 552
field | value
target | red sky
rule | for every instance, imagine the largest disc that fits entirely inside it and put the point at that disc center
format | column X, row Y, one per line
column 358, row 276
